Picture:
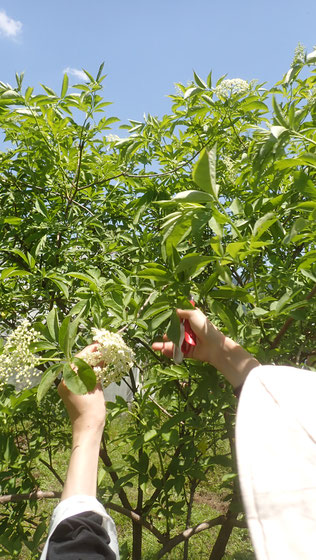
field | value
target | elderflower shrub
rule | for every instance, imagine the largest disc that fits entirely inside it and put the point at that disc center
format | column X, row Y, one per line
column 17, row 362
column 227, row 88
column 113, row 352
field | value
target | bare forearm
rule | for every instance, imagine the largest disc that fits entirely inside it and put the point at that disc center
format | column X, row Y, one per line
column 233, row 361
column 83, row 465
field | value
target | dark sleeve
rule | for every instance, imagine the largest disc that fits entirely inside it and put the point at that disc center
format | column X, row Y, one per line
column 80, row 537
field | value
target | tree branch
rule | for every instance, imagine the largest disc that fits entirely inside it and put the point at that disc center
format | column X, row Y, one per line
column 149, row 175
column 114, row 476
column 289, row 322
column 35, row 495
column 52, row 470
column 188, row 533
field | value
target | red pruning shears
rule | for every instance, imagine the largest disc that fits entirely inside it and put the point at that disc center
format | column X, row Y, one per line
column 186, row 341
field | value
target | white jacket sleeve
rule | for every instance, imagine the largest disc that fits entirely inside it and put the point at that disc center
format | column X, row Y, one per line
column 78, row 504
column 276, row 452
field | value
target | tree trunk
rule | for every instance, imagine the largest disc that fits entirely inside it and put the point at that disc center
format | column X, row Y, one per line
column 137, row 541
column 223, row 536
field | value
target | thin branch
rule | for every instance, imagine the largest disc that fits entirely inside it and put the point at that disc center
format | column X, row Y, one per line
column 35, row 495
column 114, row 476
column 289, row 322
column 188, row 533
column 149, row 175
column 52, row 470
column 138, row 519
column 155, row 495
column 158, row 358
column 83, row 207
column 161, row 408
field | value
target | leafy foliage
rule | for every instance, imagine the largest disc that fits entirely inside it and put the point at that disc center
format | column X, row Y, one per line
column 216, row 199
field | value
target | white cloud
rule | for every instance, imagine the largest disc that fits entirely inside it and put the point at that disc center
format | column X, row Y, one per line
column 9, row 27
column 77, row 73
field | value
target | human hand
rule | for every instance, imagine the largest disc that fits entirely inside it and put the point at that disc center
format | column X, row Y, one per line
column 212, row 346
column 208, row 337
column 86, row 412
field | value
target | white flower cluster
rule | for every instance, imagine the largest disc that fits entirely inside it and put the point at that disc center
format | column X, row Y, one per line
column 112, row 351
column 112, row 138
column 299, row 55
column 230, row 168
column 17, row 362
column 227, row 88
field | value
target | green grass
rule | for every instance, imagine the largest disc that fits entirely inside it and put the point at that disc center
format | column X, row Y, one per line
column 208, row 505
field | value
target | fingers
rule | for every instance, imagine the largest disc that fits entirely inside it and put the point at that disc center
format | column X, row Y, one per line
column 166, row 348
column 185, row 313
column 91, row 348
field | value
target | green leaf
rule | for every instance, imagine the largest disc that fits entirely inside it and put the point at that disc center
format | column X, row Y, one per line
column 263, row 224
column 175, row 234
column 85, row 278
column 99, row 74
column 161, row 318
column 49, row 90
column 278, row 305
column 155, row 309
column 226, row 316
column 299, row 225
column 157, row 274
column 47, row 380
column 191, row 91
column 150, row 435
column 255, row 105
column 91, row 78
column 276, row 131
column 73, row 381
column 192, row 263
column 235, row 247
column 12, row 271
column 199, row 81
column 64, row 87
column 61, row 285
column 85, row 373
column 204, row 171
column 28, row 93
column 259, row 312
column 193, row 196
column 67, row 333
column 279, row 115
column 41, row 208
column 173, row 330
column 308, row 274
column 52, row 324
column 19, row 253
column 13, row 220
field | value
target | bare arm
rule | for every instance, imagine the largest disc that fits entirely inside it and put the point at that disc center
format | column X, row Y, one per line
column 233, row 361
column 87, row 416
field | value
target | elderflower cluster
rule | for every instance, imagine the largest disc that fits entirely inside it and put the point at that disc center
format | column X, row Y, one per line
column 227, row 88
column 299, row 55
column 113, row 352
column 230, row 168
column 112, row 138
column 17, row 362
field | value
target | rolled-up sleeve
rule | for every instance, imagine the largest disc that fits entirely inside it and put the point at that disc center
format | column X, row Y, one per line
column 81, row 527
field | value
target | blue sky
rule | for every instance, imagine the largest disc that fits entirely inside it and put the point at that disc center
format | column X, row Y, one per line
column 148, row 45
